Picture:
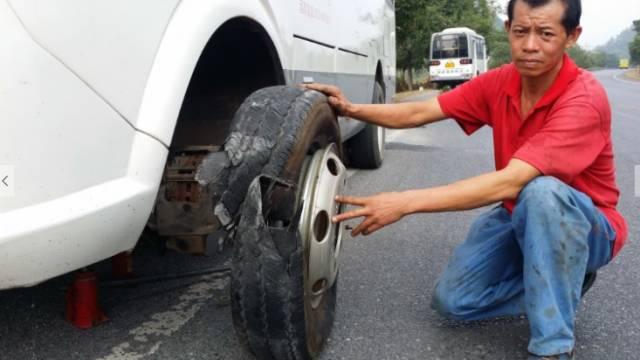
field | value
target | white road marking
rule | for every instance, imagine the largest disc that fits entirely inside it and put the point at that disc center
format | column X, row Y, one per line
column 120, row 352
column 146, row 337
column 617, row 77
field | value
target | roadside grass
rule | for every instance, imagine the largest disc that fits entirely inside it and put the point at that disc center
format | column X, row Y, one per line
column 633, row 74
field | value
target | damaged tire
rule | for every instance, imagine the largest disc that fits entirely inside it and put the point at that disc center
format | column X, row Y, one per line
column 366, row 148
column 284, row 143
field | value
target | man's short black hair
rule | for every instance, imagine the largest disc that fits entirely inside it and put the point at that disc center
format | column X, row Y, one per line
column 572, row 11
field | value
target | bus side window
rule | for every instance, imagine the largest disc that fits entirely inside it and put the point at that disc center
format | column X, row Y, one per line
column 472, row 47
column 463, row 43
column 435, row 49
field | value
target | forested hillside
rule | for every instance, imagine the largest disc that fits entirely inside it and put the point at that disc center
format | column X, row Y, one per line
column 619, row 45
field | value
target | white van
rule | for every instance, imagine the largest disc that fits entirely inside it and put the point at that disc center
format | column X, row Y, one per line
column 456, row 55
column 108, row 110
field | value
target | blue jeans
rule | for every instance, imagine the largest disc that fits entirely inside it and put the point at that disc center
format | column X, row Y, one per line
column 531, row 262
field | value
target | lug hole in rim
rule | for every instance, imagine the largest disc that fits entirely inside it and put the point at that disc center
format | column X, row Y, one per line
column 319, row 285
column 321, row 225
column 333, row 167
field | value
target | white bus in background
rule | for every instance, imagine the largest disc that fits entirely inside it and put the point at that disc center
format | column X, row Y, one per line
column 456, row 55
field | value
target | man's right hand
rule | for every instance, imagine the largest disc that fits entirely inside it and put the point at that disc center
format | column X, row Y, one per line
column 337, row 100
column 395, row 116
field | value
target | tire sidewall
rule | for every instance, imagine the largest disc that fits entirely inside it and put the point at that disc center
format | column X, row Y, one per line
column 378, row 98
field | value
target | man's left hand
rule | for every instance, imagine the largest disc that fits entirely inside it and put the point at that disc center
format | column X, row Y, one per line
column 379, row 210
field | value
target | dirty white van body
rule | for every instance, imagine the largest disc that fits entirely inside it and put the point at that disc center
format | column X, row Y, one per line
column 95, row 96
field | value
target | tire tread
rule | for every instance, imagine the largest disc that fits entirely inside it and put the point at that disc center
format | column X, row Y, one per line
column 267, row 286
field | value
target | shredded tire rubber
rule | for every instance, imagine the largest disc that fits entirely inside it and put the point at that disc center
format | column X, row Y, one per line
column 255, row 179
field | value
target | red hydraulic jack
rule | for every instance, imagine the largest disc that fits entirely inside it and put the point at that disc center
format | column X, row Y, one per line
column 122, row 265
column 83, row 310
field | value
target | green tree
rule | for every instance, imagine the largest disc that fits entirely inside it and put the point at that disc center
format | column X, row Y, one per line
column 581, row 57
column 416, row 20
column 500, row 50
column 611, row 60
column 598, row 58
column 634, row 46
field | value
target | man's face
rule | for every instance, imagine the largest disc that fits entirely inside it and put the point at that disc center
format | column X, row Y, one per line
column 538, row 39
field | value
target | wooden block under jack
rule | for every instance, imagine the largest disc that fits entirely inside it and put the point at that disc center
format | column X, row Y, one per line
column 188, row 244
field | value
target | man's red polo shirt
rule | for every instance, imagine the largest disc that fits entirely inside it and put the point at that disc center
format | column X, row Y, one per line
column 566, row 135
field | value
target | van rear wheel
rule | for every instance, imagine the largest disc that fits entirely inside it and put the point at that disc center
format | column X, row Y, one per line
column 284, row 153
column 366, row 148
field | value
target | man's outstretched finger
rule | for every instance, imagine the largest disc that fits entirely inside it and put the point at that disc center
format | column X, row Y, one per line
column 322, row 88
column 313, row 86
column 349, row 215
column 366, row 223
column 350, row 200
column 371, row 229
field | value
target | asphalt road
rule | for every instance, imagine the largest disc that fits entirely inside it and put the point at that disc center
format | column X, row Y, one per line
column 385, row 283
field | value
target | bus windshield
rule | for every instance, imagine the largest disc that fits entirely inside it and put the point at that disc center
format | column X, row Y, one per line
column 450, row 46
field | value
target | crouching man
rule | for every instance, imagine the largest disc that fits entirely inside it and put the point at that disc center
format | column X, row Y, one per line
column 557, row 222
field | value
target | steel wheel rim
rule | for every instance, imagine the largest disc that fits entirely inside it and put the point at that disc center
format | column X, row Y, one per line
column 323, row 179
